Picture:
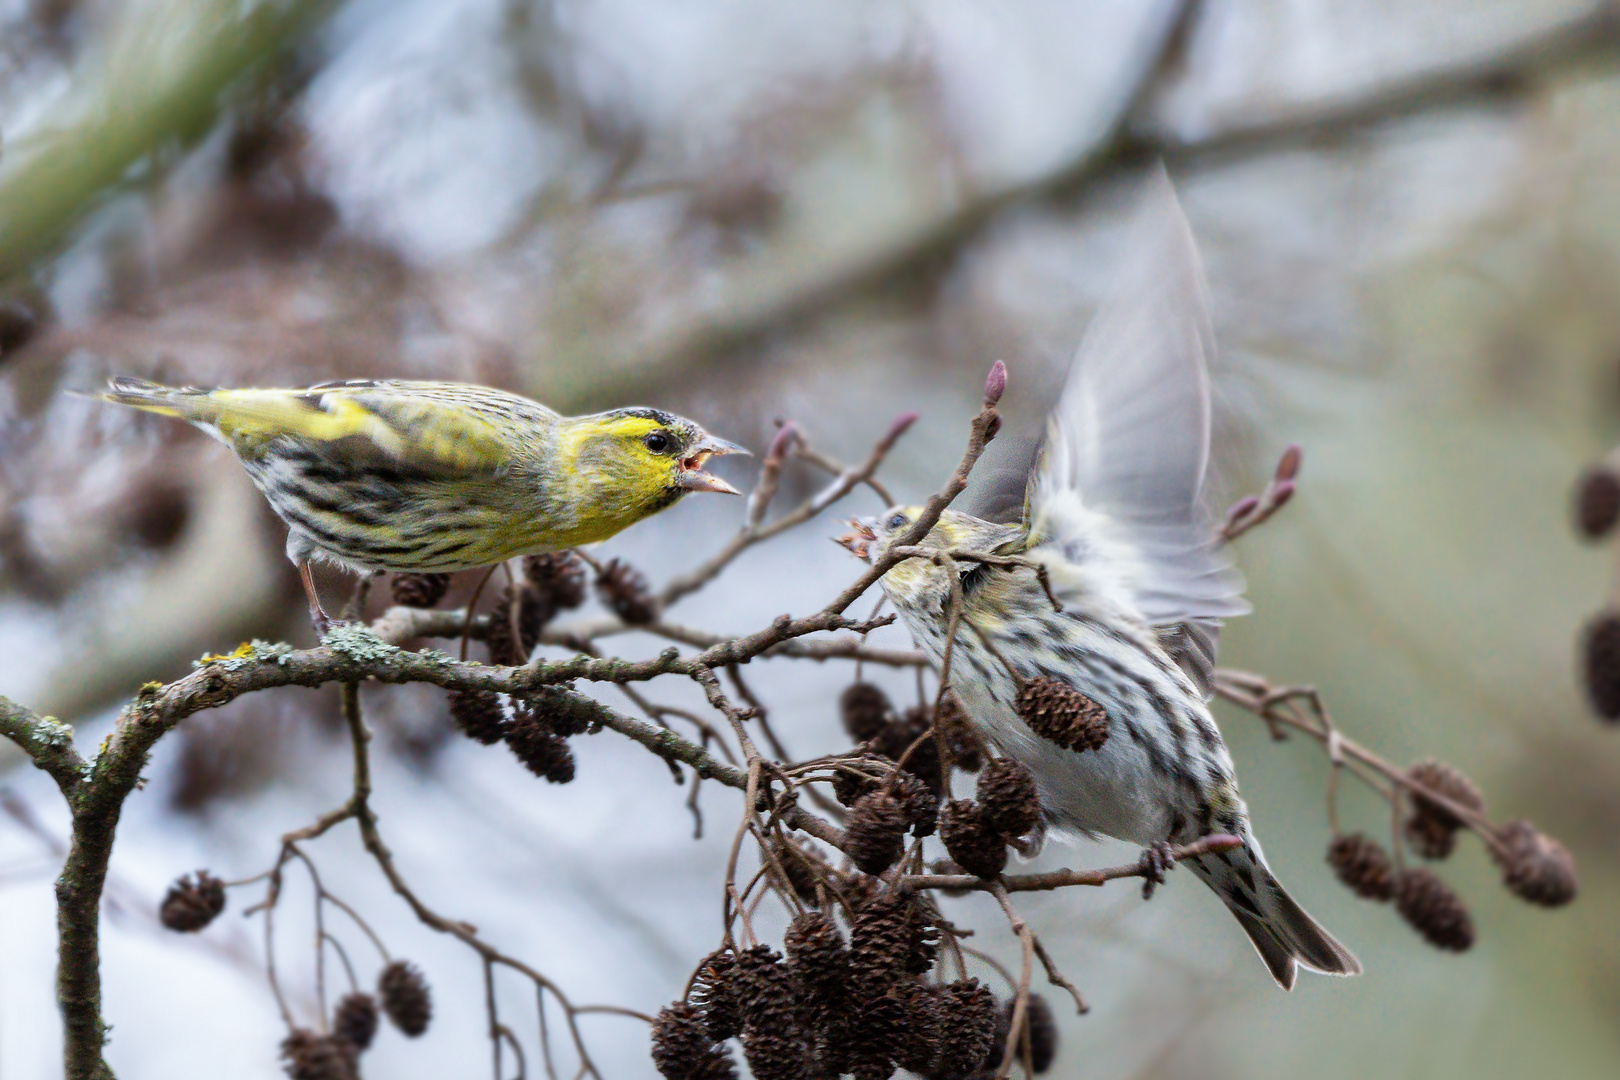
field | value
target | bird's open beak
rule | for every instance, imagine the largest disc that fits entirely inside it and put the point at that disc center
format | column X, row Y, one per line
column 859, row 541
column 693, row 478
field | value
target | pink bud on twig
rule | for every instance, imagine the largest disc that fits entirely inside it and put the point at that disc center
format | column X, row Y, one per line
column 1280, row 493
column 1242, row 508
column 901, row 423
column 785, row 438
column 996, row 384
column 1288, row 464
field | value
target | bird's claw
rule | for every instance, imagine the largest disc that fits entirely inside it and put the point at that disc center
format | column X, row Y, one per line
column 1156, row 860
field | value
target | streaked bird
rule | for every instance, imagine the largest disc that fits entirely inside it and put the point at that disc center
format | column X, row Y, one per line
column 429, row 477
column 1114, row 511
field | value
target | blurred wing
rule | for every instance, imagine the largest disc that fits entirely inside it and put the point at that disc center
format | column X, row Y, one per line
column 1128, row 444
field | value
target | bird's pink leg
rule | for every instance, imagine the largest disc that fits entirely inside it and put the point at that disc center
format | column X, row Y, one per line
column 317, row 614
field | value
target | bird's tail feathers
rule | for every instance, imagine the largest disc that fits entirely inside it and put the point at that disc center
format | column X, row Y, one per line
column 1283, row 933
column 153, row 397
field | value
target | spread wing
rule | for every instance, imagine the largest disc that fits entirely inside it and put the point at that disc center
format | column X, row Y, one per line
column 1128, row 445
column 434, row 426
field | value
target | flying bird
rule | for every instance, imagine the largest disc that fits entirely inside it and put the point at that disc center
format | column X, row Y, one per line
column 1114, row 511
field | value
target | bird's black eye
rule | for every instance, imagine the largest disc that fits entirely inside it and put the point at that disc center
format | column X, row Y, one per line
column 657, row 442
column 897, row 521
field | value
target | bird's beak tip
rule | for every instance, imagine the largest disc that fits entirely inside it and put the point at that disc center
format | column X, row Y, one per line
column 859, row 540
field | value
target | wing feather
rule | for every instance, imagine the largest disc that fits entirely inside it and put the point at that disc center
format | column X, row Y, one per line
column 1127, row 446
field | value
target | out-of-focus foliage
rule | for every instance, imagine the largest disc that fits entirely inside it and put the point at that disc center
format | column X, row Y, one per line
column 1410, row 216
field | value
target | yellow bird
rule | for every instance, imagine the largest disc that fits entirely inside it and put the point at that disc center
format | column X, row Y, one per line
column 434, row 477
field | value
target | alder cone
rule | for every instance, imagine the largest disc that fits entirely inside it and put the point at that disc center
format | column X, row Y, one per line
column 968, row 1024
column 973, row 843
column 682, row 1050
column 1434, row 910
column 624, row 592
column 355, row 1020
column 479, row 715
column 1535, row 867
column 506, row 647
column 1600, row 649
column 1061, row 714
column 1597, row 502
column 558, row 578
column 874, row 832
column 1008, row 798
column 918, row 802
column 192, row 905
column 419, row 590
column 865, row 711
column 405, row 997
column 310, row 1056
column 1430, row 828
column 542, row 752
column 967, row 746
column 816, row 952
column 1041, row 1033
column 1365, row 867
column 714, row 993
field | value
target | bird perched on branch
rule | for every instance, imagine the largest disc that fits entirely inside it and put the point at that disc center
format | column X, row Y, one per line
column 427, row 477
column 1123, row 647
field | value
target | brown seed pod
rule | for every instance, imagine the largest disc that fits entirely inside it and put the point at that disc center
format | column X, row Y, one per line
column 532, row 615
column 1008, row 798
column 479, row 715
column 419, row 590
column 561, row 709
column 310, row 1056
column 1600, row 650
column 1040, row 1034
column 624, row 592
column 542, row 751
column 876, row 1031
column 1059, row 713
column 405, row 997
column 1597, row 502
column 1362, row 865
column 967, row 746
column 918, row 802
column 912, row 725
column 355, row 1020
column 968, row 1025
column 884, row 937
column 190, row 906
column 973, row 843
column 1535, row 867
column 682, row 1050
column 773, row 1037
column 865, row 710
column 804, row 867
column 1430, row 828
column 920, row 1042
column 816, row 952
column 1434, row 910
column 874, row 832
column 714, row 992
column 559, row 578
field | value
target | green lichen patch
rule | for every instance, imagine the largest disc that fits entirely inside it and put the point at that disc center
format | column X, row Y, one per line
column 249, row 652
column 358, row 642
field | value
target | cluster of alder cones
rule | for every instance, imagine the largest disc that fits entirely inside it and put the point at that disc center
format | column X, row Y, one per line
column 537, row 728
column 1597, row 512
column 832, row 1006
column 874, row 999
column 1535, row 867
column 332, row 1053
